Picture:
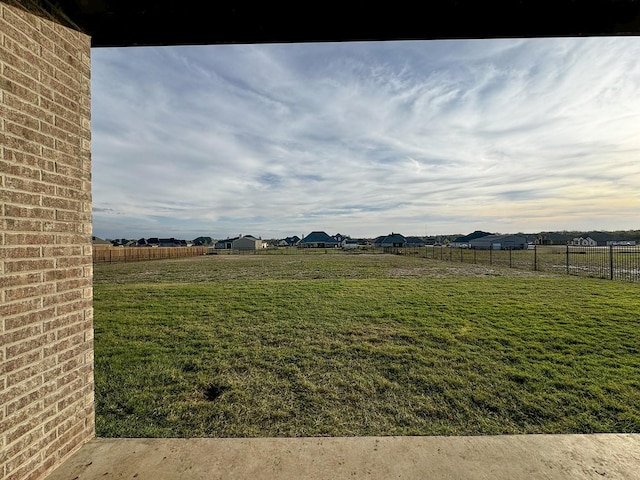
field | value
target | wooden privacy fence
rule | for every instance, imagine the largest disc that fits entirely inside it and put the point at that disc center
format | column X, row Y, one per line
column 610, row 262
column 135, row 254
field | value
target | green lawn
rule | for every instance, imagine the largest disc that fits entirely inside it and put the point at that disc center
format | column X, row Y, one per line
column 317, row 345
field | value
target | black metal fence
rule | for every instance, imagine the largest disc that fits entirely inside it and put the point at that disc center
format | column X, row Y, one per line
column 609, row 262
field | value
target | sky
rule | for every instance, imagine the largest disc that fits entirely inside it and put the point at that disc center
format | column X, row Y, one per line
column 366, row 138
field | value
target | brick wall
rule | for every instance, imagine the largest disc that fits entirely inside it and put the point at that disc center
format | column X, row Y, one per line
column 46, row 330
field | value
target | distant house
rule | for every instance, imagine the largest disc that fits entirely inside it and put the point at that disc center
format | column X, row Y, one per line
column 289, row 241
column 351, row 243
column 246, row 243
column 415, row 242
column 100, row 241
column 601, row 239
column 339, row 238
column 153, row 242
column 377, row 242
column 202, row 241
column 499, row 242
column 394, row 240
column 318, row 239
column 464, row 241
column 171, row 242
column 226, row 244
column 584, row 242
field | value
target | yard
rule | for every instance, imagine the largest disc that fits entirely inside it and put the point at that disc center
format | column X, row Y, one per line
column 358, row 345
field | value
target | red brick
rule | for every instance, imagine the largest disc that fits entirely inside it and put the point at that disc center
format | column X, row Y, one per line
column 19, row 144
column 62, row 251
column 20, row 252
column 30, row 186
column 75, row 352
column 30, row 318
column 23, row 471
column 73, row 307
column 19, row 362
column 17, row 225
column 61, row 203
column 27, row 292
column 19, row 104
column 29, row 238
column 19, row 91
column 59, row 298
column 29, row 212
column 24, row 64
column 19, row 117
column 73, row 239
column 19, row 170
column 25, row 419
column 25, row 373
column 57, row 133
column 14, row 266
column 21, row 198
column 67, row 262
column 64, row 227
column 62, row 180
column 71, row 399
column 67, row 126
column 74, row 193
column 70, row 114
column 62, row 93
column 20, row 19
column 16, row 308
column 60, row 393
column 62, row 274
column 25, row 346
column 31, row 438
column 62, row 344
column 79, row 283
column 33, row 136
column 24, row 80
column 72, row 334
column 29, row 160
column 22, row 402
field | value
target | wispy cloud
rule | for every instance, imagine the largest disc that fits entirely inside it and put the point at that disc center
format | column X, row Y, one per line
column 365, row 138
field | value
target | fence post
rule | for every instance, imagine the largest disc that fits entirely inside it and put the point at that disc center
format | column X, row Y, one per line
column 460, row 255
column 490, row 255
column 610, row 262
column 475, row 256
column 535, row 258
column 567, row 260
column 510, row 262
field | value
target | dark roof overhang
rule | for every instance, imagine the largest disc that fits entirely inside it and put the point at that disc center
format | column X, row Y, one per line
column 122, row 23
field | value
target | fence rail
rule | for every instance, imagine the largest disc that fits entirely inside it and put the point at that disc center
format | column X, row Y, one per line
column 609, row 262
column 135, row 254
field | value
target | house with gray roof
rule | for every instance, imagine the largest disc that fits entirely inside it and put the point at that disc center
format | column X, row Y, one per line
column 318, row 239
column 289, row 241
column 226, row 244
column 415, row 242
column 246, row 243
column 394, row 240
column 464, row 241
column 499, row 242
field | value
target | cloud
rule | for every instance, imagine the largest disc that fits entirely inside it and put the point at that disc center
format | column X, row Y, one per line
column 365, row 138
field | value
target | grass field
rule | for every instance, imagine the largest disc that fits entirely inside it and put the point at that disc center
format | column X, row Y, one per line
column 333, row 345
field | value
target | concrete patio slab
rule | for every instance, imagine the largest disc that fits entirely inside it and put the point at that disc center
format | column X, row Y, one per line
column 598, row 456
